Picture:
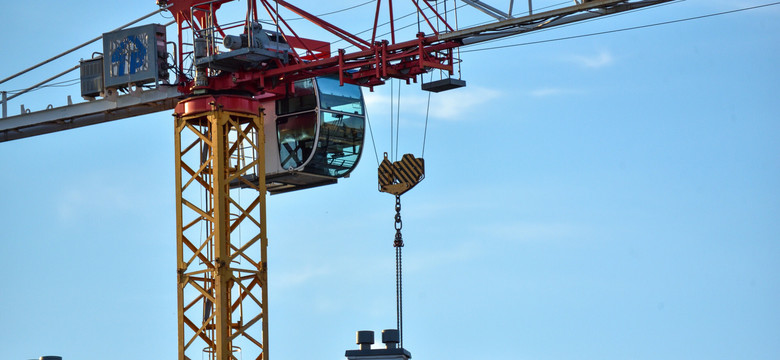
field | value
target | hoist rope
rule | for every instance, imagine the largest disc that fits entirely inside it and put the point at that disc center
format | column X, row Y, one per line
column 392, row 155
column 425, row 132
column 398, row 120
column 395, row 115
column 457, row 50
column 371, row 132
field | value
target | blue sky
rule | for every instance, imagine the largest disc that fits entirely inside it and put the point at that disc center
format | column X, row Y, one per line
column 605, row 197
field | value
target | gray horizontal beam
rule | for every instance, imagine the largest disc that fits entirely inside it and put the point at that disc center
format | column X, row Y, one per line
column 545, row 19
column 136, row 103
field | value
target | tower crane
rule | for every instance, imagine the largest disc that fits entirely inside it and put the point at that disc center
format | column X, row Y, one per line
column 259, row 108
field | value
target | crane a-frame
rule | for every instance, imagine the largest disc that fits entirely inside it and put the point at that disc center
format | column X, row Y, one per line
column 232, row 94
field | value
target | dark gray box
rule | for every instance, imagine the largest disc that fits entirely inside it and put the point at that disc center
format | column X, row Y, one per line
column 91, row 77
column 134, row 56
column 443, row 85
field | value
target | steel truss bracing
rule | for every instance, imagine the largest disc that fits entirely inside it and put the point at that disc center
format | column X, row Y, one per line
column 374, row 61
column 370, row 65
column 221, row 229
column 581, row 11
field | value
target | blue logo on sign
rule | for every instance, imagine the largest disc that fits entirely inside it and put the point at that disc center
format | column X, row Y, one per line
column 129, row 56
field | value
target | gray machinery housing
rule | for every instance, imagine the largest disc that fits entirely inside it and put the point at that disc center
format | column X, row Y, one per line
column 248, row 50
column 135, row 56
column 91, row 77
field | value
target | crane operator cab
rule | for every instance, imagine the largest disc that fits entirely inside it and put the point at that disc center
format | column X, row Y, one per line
column 314, row 135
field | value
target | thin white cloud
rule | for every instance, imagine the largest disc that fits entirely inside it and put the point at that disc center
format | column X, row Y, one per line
column 301, row 276
column 452, row 105
column 444, row 208
column 445, row 257
column 553, row 91
column 530, row 231
column 597, row 61
column 376, row 102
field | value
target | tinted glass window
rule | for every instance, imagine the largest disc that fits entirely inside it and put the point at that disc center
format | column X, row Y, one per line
column 303, row 99
column 339, row 144
column 296, row 138
column 335, row 97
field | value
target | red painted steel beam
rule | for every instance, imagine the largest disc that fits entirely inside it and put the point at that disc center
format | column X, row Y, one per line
column 371, row 65
column 366, row 68
column 352, row 39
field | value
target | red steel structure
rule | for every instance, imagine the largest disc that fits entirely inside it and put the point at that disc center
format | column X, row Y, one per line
column 373, row 63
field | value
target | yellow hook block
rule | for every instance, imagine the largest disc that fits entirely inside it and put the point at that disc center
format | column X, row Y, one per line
column 401, row 176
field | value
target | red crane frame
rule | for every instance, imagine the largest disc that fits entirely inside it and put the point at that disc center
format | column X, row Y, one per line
column 372, row 64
